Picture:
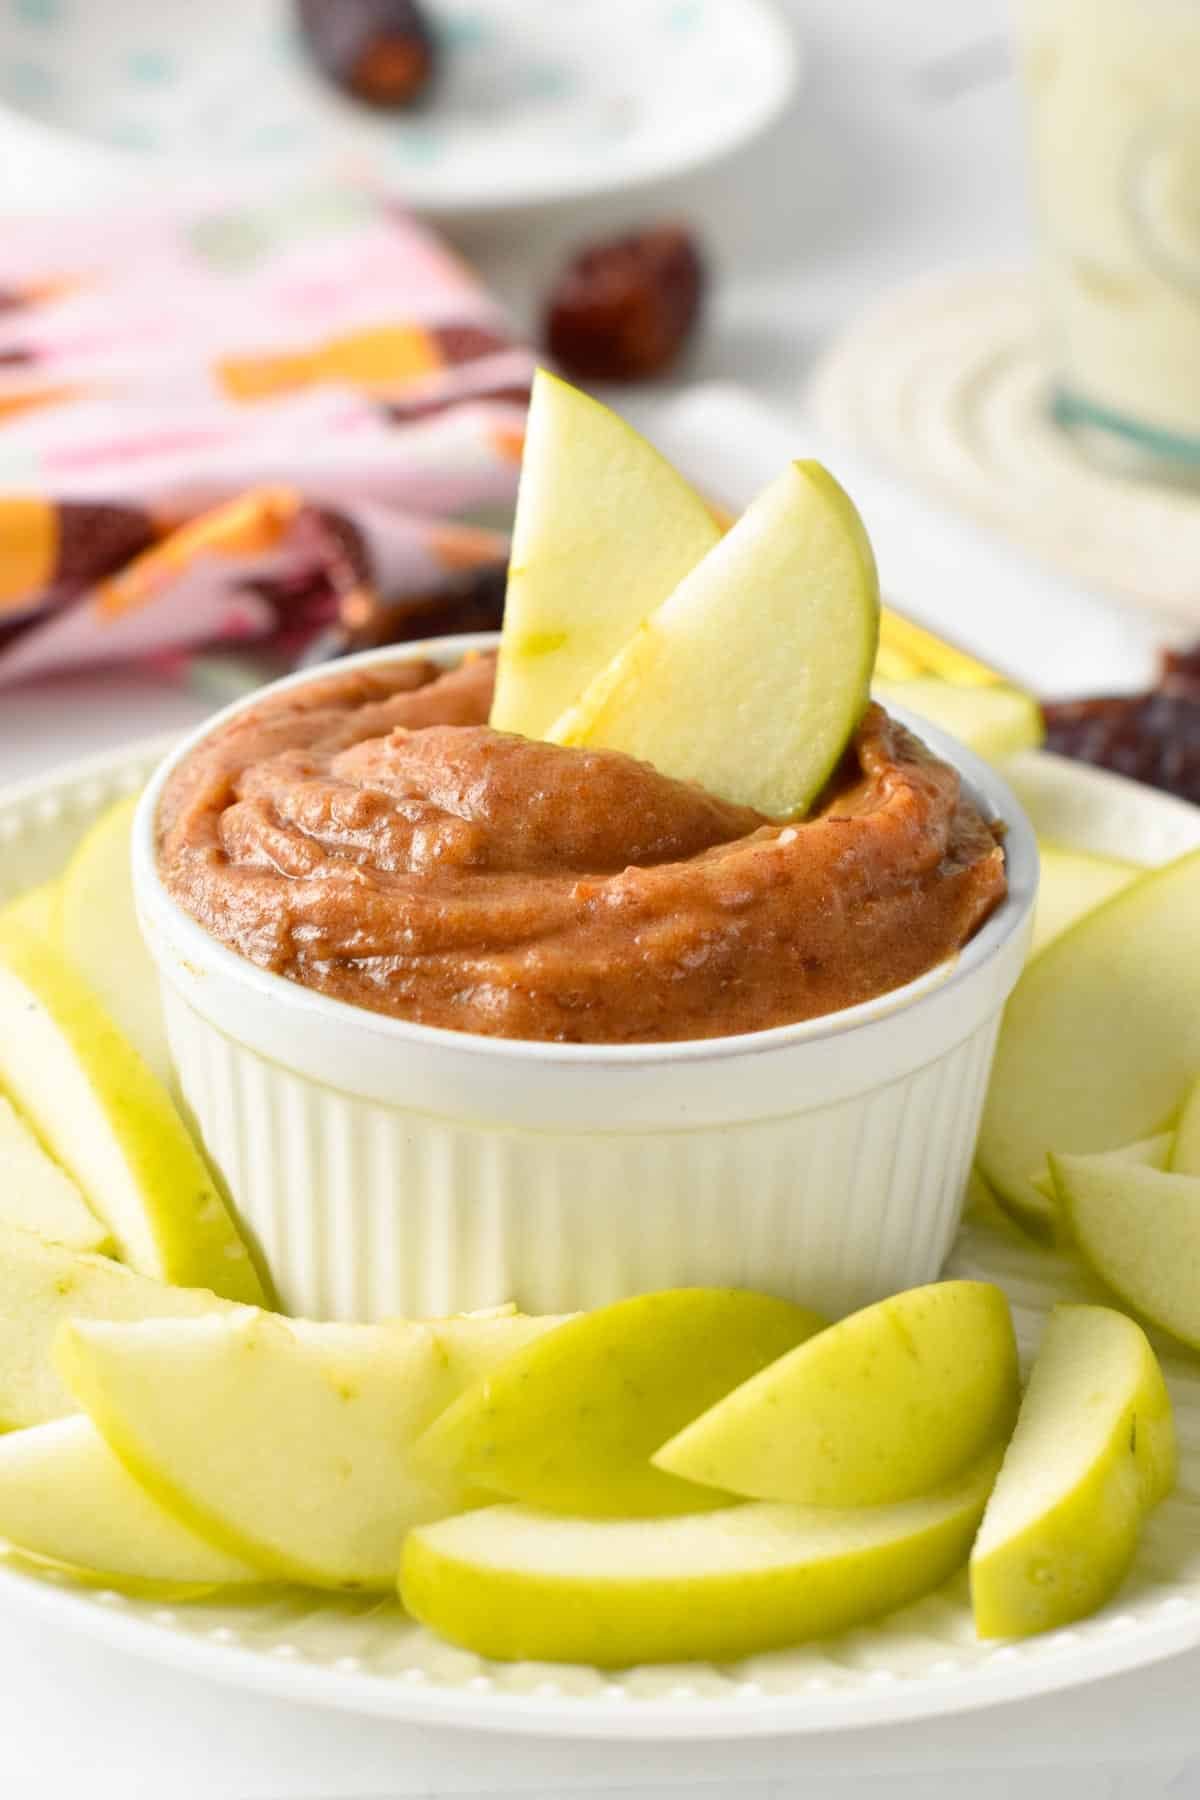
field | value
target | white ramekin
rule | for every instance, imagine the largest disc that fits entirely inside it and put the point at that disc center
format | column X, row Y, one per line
column 386, row 1167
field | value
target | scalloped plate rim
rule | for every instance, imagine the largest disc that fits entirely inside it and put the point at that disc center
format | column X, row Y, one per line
column 895, row 1701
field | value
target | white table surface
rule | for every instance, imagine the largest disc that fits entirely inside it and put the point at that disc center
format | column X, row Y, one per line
column 871, row 180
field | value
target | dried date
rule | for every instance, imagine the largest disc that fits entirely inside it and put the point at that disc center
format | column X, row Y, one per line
column 475, row 602
column 1152, row 737
column 1181, row 672
column 623, row 310
column 382, row 52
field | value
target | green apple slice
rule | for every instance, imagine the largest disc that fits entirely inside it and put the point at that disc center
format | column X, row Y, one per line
column 1185, row 1153
column 1073, row 883
column 1099, row 1038
column 98, row 929
column 284, row 1442
column 36, row 910
column 1093, row 1449
column 512, row 1583
column 66, row 1498
column 992, row 719
column 1139, row 1228
column 752, row 676
column 570, row 1422
column 44, row 1284
column 473, row 1344
column 605, row 529
column 37, row 1195
column 1147, row 1153
column 890, row 1403
column 105, row 1117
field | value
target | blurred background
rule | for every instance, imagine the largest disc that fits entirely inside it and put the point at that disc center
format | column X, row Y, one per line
column 274, row 278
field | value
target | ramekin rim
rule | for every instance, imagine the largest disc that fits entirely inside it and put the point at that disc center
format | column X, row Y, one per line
column 987, row 786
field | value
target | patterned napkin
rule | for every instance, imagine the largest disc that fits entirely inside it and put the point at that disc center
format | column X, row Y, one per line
column 278, row 425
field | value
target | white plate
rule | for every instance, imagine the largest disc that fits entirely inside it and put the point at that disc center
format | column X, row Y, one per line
column 538, row 99
column 363, row 1655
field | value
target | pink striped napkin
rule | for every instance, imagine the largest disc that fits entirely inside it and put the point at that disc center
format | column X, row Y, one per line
column 231, row 425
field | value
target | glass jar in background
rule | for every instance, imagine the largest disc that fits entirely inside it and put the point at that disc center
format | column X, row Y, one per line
column 1114, row 98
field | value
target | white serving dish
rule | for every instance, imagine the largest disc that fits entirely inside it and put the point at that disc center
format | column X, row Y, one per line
column 924, row 1663
column 385, row 1167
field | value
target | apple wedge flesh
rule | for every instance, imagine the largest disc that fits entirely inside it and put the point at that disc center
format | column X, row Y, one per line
column 472, row 1345
column 515, row 1584
column 1099, row 1038
column 1185, row 1153
column 570, row 1423
column 1139, row 1228
column 1148, row 1153
column 605, row 529
column 1074, row 883
column 37, row 1195
column 1094, row 1448
column 98, row 929
column 41, row 1286
column 66, row 1498
column 286, row 1443
column 990, row 718
column 751, row 678
column 888, row 1404
column 110, row 1123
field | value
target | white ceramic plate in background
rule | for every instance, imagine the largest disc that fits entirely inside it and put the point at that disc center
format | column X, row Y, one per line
column 539, row 99
column 361, row 1654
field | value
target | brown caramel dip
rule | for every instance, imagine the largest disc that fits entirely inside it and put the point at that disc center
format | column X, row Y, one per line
column 367, row 835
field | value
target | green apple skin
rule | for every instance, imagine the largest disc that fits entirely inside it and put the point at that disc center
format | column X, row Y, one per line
column 1185, row 1152
column 1099, row 1039
column 890, row 1403
column 1093, row 1450
column 794, row 585
column 605, row 529
column 1138, row 1226
column 106, row 1118
column 41, row 1286
column 515, row 1584
column 993, row 719
column 570, row 1423
column 98, row 930
column 36, row 910
column 66, row 1499
column 37, row 1195
column 286, row 1443
column 1074, row 883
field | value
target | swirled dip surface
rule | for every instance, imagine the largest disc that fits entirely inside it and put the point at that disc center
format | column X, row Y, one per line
column 366, row 834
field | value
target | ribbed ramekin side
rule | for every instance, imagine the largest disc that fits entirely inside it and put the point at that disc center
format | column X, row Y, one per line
column 364, row 1210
